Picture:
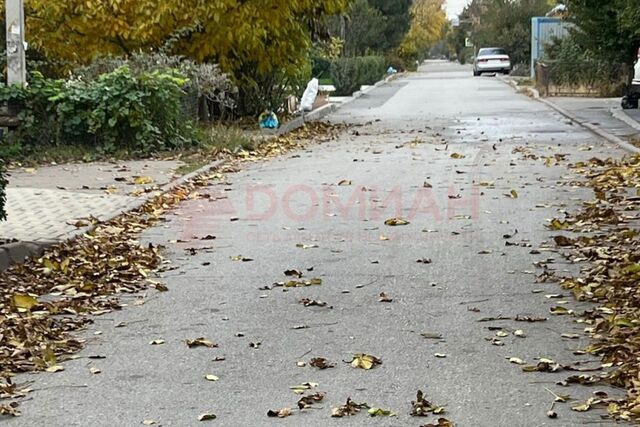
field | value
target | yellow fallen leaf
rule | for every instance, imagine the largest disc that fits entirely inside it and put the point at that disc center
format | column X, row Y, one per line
column 142, row 180
column 365, row 361
column 24, row 302
column 55, row 368
column 211, row 377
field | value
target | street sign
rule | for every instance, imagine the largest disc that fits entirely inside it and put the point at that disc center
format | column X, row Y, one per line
column 468, row 42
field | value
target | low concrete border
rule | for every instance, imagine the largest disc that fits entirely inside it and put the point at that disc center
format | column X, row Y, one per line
column 620, row 114
column 569, row 115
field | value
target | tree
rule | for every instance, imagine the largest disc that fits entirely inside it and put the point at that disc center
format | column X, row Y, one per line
column 608, row 30
column 365, row 29
column 398, row 14
column 428, row 21
column 502, row 23
column 373, row 26
column 262, row 44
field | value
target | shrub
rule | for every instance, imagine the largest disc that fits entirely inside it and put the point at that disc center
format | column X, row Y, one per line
column 213, row 89
column 349, row 74
column 118, row 110
column 3, row 184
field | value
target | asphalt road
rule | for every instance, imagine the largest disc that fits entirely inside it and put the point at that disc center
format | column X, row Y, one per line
column 408, row 133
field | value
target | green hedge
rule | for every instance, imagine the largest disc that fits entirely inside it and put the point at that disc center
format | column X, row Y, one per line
column 348, row 74
column 116, row 111
column 3, row 184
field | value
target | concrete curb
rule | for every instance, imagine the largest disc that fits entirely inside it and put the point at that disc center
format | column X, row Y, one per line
column 589, row 126
column 15, row 253
column 620, row 114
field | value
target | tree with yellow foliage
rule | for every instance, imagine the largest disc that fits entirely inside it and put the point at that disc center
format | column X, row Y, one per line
column 249, row 39
column 428, row 21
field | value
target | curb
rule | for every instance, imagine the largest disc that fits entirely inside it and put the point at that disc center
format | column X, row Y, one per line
column 591, row 127
column 620, row 114
column 15, row 253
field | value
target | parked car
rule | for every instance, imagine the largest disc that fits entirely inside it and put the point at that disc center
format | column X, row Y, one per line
column 491, row 60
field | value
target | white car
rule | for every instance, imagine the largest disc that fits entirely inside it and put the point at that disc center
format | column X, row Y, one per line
column 492, row 60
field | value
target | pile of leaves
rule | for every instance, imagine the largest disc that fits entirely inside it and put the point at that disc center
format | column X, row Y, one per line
column 609, row 239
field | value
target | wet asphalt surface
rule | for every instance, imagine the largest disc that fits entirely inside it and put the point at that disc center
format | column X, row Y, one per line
column 403, row 136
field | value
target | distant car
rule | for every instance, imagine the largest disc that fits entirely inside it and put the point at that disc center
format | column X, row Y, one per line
column 491, row 60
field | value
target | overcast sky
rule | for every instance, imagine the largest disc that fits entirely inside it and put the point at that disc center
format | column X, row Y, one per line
column 454, row 7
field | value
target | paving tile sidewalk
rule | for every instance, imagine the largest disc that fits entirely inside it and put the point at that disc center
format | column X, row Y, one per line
column 597, row 111
column 47, row 205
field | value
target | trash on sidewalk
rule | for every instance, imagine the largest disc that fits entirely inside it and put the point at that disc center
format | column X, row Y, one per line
column 268, row 120
column 310, row 95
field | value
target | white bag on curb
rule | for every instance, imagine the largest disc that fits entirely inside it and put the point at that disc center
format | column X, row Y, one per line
column 310, row 95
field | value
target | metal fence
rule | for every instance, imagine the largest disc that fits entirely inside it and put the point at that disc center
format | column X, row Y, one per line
column 599, row 79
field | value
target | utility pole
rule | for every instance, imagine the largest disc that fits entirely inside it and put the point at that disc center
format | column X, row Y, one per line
column 16, row 62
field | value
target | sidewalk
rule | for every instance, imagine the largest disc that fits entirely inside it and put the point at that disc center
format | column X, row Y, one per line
column 55, row 203
column 598, row 112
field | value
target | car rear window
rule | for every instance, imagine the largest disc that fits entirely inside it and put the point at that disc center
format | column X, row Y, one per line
column 492, row 51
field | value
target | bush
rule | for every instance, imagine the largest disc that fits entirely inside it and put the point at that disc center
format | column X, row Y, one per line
column 213, row 90
column 3, row 184
column 116, row 111
column 349, row 74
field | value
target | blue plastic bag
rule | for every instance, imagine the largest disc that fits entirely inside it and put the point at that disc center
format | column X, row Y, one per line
column 268, row 120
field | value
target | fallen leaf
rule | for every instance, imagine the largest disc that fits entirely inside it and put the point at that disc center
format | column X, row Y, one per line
column 379, row 412
column 24, row 302
column 207, row 417
column 94, row 370
column 392, row 222
column 348, row 409
column 560, row 311
column 421, row 407
column 431, row 335
column 307, row 401
column 442, row 422
column 385, row 298
column 157, row 342
column 211, row 377
column 321, row 363
column 365, row 361
column 300, row 389
column 517, row 361
column 344, row 183
column 55, row 368
column 200, row 342
column 143, row 180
